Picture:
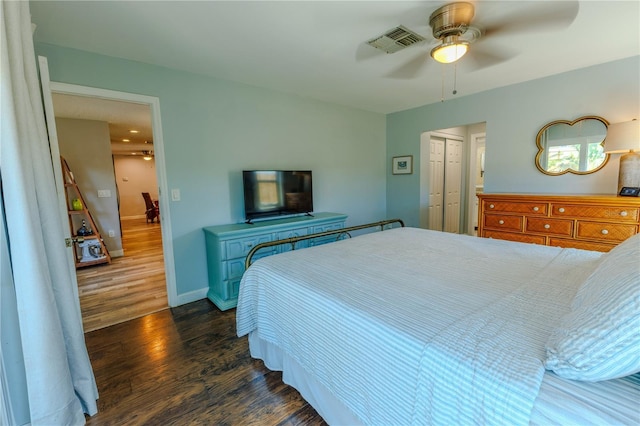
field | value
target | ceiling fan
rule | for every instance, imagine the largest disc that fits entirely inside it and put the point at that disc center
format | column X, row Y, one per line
column 448, row 23
column 457, row 32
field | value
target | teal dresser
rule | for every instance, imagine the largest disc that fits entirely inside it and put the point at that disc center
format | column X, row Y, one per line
column 228, row 246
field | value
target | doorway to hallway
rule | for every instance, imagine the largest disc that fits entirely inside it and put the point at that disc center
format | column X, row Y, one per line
column 131, row 286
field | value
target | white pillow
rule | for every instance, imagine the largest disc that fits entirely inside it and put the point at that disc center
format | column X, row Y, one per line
column 600, row 338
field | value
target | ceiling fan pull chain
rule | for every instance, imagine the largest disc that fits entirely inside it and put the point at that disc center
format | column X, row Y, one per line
column 455, row 77
column 442, row 94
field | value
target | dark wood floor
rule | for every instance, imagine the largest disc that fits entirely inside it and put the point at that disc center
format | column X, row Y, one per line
column 184, row 366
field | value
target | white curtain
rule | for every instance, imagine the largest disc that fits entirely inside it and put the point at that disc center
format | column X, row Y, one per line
column 56, row 375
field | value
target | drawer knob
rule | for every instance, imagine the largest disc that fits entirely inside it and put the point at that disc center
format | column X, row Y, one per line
column 547, row 226
column 561, row 209
column 501, row 222
column 604, row 232
column 535, row 209
column 491, row 206
column 623, row 213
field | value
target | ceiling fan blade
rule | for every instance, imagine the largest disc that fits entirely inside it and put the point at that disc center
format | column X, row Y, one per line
column 533, row 17
column 417, row 18
column 411, row 68
column 479, row 58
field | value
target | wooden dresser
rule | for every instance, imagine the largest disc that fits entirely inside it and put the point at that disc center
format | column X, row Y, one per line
column 590, row 222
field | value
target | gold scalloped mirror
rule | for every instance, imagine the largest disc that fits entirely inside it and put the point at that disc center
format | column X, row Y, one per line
column 572, row 146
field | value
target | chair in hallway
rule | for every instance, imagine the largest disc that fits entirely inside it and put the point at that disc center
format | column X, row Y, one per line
column 153, row 211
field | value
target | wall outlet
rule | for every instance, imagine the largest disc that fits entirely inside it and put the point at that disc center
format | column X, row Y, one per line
column 104, row 193
column 112, row 233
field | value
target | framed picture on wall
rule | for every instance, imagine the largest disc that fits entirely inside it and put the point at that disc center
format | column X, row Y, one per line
column 402, row 165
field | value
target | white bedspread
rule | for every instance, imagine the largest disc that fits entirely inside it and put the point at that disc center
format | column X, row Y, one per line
column 409, row 326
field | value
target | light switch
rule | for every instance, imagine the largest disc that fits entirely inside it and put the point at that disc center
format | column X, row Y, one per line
column 104, row 193
column 175, row 195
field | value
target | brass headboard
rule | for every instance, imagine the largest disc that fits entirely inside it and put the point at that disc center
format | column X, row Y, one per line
column 339, row 232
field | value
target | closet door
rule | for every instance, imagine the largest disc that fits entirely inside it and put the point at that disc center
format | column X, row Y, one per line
column 452, row 186
column 445, row 183
column 436, row 182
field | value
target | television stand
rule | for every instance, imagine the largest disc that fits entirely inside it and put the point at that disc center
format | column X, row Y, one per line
column 228, row 245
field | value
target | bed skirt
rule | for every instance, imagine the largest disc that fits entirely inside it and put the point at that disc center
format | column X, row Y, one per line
column 328, row 406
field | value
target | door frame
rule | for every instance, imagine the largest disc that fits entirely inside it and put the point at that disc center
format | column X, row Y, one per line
column 473, row 161
column 425, row 181
column 161, row 174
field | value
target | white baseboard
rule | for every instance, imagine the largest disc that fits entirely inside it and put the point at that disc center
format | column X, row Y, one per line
column 140, row 216
column 116, row 253
column 192, row 296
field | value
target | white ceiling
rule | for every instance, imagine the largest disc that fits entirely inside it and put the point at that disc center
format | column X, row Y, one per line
column 122, row 117
column 315, row 48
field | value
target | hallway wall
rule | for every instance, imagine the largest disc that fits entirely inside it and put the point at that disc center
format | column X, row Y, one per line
column 133, row 177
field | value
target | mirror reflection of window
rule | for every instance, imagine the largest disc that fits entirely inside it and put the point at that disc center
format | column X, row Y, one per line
column 560, row 158
column 575, row 147
column 577, row 157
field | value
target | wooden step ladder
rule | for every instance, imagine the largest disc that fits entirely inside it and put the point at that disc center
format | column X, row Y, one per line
column 88, row 249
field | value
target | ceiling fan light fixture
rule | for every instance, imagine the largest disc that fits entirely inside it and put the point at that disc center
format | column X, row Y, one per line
column 450, row 50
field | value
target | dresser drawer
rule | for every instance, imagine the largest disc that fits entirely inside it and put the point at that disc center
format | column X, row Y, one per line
column 582, row 245
column 234, row 268
column 503, row 222
column 549, row 226
column 515, row 207
column 605, row 231
column 612, row 213
column 231, row 288
column 328, row 227
column 325, row 240
column 291, row 234
column 241, row 247
column 522, row 238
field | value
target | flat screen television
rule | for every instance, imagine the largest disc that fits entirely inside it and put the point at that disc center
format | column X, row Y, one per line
column 269, row 193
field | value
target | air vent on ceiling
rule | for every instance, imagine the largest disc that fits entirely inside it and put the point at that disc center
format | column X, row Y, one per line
column 396, row 39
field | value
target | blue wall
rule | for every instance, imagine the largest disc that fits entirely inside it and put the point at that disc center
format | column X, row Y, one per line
column 213, row 129
column 513, row 116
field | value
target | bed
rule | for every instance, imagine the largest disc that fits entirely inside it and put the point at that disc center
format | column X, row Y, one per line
column 409, row 326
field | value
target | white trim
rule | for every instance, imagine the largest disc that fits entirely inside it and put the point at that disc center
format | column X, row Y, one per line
column 193, row 296
column 52, row 133
column 140, row 216
column 158, row 145
column 473, row 148
column 445, row 135
column 426, row 183
column 116, row 253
